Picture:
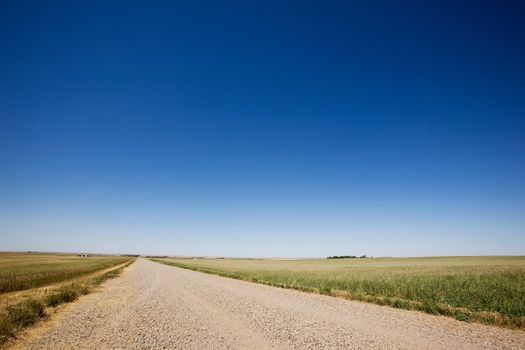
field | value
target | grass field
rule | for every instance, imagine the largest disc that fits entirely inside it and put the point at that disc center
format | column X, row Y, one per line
column 483, row 289
column 19, row 271
column 64, row 277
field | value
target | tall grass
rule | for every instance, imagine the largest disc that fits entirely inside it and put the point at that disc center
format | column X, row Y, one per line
column 19, row 316
column 20, row 271
column 483, row 289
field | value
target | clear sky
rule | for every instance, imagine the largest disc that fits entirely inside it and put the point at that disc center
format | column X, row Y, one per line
column 262, row 128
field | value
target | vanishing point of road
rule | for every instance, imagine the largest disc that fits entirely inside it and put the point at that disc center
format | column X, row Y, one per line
column 154, row 306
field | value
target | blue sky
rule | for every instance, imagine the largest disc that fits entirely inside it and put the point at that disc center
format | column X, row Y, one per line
column 263, row 128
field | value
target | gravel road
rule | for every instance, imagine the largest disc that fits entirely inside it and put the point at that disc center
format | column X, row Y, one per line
column 154, row 306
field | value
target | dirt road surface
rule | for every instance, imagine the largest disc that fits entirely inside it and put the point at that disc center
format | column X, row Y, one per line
column 154, row 306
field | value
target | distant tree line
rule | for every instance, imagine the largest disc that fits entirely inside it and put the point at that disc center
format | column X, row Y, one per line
column 346, row 257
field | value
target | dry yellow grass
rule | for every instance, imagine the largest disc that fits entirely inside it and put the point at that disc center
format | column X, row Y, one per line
column 33, row 282
column 19, row 271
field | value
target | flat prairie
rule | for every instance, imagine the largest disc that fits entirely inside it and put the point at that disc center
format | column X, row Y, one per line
column 33, row 283
column 487, row 289
column 19, row 271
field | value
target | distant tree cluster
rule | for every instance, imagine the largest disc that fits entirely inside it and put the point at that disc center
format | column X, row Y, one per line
column 346, row 257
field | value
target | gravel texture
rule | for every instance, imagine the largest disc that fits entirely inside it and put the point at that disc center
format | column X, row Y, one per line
column 154, row 306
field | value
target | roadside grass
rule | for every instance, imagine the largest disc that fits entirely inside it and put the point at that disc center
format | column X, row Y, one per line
column 27, row 312
column 489, row 290
column 21, row 271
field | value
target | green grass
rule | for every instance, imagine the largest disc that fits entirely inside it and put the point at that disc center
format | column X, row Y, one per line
column 19, row 316
column 20, row 271
column 483, row 289
column 25, row 313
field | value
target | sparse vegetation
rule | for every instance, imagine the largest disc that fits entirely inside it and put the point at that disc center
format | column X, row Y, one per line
column 483, row 289
column 24, row 313
column 19, row 316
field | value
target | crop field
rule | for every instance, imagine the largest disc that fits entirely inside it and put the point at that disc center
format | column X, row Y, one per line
column 483, row 289
column 19, row 271
column 63, row 278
